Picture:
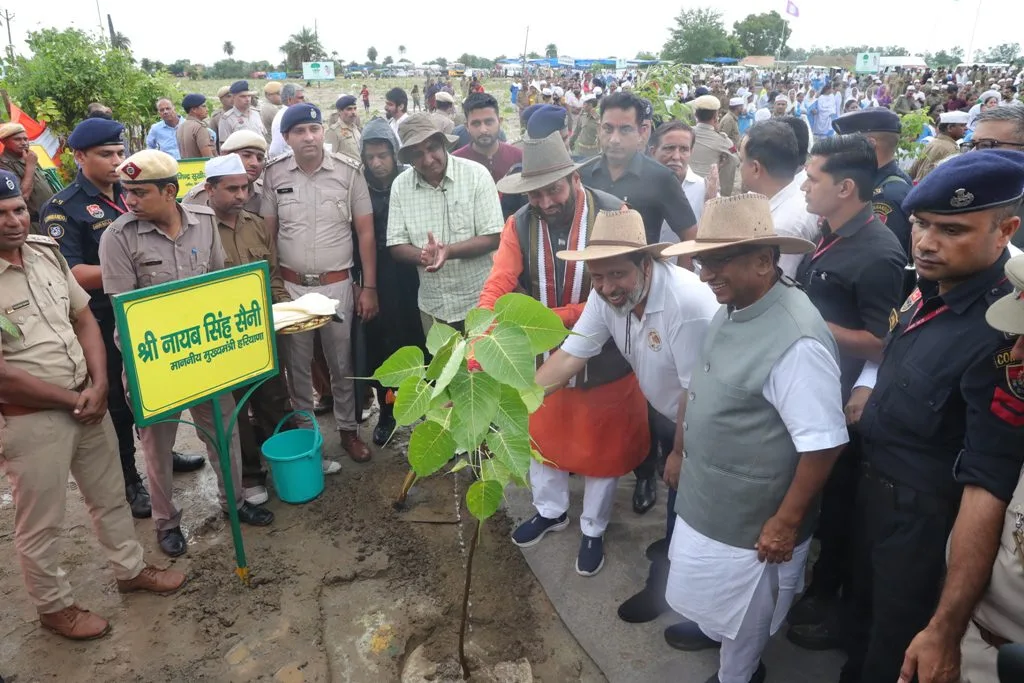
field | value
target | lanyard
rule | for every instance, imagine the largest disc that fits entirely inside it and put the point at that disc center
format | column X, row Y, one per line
column 114, row 206
column 822, row 248
column 914, row 323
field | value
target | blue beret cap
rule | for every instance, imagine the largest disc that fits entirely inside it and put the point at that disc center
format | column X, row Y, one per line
column 545, row 120
column 239, row 88
column 700, row 91
column 345, row 101
column 10, row 186
column 871, row 120
column 970, row 182
column 193, row 100
column 300, row 113
column 529, row 112
column 95, row 132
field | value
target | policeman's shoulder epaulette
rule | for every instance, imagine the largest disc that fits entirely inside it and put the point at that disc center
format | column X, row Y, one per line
column 200, row 208
column 43, row 239
column 338, row 156
column 279, row 159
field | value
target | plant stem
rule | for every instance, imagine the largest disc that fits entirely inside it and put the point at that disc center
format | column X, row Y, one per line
column 465, row 600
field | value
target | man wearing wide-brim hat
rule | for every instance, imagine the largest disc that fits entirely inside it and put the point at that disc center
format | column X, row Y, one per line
column 764, row 425
column 444, row 218
column 656, row 314
column 597, row 427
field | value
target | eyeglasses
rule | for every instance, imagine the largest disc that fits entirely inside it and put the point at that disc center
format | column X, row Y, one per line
column 719, row 261
column 990, row 144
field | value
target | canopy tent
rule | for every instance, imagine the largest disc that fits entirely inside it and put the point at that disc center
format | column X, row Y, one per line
column 721, row 60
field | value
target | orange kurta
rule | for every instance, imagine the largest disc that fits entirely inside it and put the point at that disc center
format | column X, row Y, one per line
column 599, row 432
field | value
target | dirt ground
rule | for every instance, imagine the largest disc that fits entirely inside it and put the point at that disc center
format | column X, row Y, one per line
column 344, row 589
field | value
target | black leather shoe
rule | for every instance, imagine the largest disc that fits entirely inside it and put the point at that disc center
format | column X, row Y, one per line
column 816, row 637
column 758, row 676
column 323, row 405
column 254, row 515
column 657, row 549
column 138, row 499
column 172, row 542
column 382, row 432
column 810, row 609
column 645, row 495
column 187, row 463
column 688, row 637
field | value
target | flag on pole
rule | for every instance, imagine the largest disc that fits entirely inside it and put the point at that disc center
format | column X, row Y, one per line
column 38, row 134
column 792, row 9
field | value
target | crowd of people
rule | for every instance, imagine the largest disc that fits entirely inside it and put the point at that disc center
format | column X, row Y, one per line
column 770, row 315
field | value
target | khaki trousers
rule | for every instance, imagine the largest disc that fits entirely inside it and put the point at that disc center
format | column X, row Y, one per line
column 337, row 342
column 978, row 658
column 157, row 443
column 38, row 451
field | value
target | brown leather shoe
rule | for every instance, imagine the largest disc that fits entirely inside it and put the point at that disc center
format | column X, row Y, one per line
column 75, row 623
column 153, row 580
column 357, row 450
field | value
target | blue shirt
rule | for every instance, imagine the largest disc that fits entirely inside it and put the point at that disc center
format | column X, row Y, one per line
column 164, row 138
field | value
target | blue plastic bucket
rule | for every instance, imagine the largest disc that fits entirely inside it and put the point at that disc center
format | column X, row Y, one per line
column 295, row 461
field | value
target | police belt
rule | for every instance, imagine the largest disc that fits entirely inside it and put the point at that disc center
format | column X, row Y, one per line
column 903, row 497
column 993, row 639
column 313, row 279
column 12, row 410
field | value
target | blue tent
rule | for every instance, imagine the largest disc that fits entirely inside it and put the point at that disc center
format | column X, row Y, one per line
column 721, row 60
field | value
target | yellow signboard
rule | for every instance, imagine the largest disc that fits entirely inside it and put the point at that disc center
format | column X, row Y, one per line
column 191, row 172
column 188, row 340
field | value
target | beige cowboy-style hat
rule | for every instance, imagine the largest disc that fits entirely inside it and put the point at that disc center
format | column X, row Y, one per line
column 743, row 219
column 545, row 160
column 1007, row 313
column 416, row 128
column 615, row 233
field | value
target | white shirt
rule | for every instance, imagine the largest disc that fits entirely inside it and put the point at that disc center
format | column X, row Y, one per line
column 716, row 581
column 790, row 217
column 662, row 347
column 695, row 189
column 395, row 123
column 277, row 144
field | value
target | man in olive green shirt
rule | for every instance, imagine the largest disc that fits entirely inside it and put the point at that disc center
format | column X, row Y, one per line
column 19, row 159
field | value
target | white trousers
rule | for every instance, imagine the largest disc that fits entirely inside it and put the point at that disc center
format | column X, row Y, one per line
column 551, row 497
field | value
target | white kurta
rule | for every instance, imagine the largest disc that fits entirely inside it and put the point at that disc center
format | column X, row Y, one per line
column 712, row 583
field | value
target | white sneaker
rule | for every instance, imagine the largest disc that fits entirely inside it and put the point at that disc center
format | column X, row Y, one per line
column 330, row 466
column 255, row 495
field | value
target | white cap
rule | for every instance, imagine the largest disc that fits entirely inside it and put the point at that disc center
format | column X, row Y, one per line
column 762, row 115
column 557, row 91
column 546, row 92
column 953, row 117
column 627, row 85
column 589, row 97
column 229, row 164
column 910, row 88
column 781, row 98
column 742, row 92
column 736, row 101
column 597, row 90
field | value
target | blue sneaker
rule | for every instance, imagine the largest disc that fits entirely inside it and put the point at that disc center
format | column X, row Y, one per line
column 530, row 532
column 591, row 556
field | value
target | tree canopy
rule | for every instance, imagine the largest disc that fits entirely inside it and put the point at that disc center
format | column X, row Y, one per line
column 371, row 55
column 551, row 50
column 698, row 34
column 303, row 46
column 762, row 34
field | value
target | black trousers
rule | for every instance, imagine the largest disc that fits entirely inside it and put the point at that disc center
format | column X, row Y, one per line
column 268, row 404
column 835, row 524
column 899, row 562
column 117, row 403
column 661, row 444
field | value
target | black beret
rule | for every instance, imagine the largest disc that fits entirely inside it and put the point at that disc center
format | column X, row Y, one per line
column 300, row 113
column 871, row 120
column 345, row 101
column 239, row 88
column 96, row 132
column 545, row 120
column 10, row 186
column 970, row 182
column 192, row 101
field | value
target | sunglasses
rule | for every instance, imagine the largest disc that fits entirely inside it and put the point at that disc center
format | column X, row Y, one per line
column 720, row 260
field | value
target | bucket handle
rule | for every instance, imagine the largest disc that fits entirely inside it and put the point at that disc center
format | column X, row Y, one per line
column 316, row 427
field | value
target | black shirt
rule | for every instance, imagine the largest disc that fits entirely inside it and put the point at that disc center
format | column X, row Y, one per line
column 650, row 188
column 892, row 186
column 855, row 278
column 77, row 217
column 948, row 405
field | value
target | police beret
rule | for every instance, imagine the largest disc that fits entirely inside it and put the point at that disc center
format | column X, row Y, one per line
column 96, row 132
column 192, row 101
column 10, row 186
column 300, row 113
column 547, row 119
column 529, row 112
column 148, row 166
column 701, row 91
column 706, row 102
column 870, row 120
column 240, row 88
column 272, row 88
column 243, row 139
column 345, row 101
column 970, row 182
column 9, row 129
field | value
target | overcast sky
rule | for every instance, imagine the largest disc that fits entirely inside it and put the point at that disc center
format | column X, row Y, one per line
column 168, row 31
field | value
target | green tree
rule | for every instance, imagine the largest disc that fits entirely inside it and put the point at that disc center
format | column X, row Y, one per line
column 229, row 48
column 646, row 55
column 371, row 55
column 698, row 34
column 762, row 34
column 551, row 50
column 944, row 58
column 442, row 62
column 533, row 55
column 181, row 67
column 388, row 60
column 303, row 46
column 401, row 51
column 121, row 42
column 1006, row 52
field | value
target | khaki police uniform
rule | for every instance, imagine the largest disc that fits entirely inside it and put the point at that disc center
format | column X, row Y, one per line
column 939, row 148
column 585, row 141
column 730, row 127
column 712, row 147
column 199, row 195
column 233, row 120
column 344, row 139
column 315, row 246
column 40, row 447
column 192, row 134
column 268, row 110
column 135, row 254
column 41, row 191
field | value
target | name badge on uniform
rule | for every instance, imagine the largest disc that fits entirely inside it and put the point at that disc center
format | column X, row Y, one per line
column 15, row 307
column 152, row 263
column 285, row 190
